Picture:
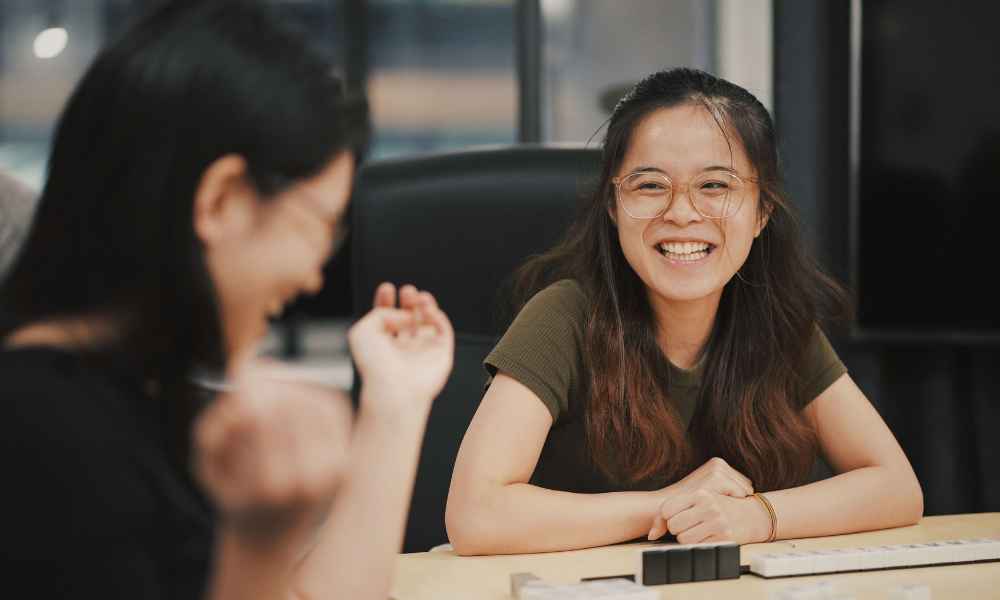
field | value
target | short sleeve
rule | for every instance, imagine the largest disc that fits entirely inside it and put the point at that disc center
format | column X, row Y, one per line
column 542, row 349
column 820, row 368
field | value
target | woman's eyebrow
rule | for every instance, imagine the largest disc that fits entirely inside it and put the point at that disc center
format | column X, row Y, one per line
column 645, row 169
column 648, row 169
column 719, row 168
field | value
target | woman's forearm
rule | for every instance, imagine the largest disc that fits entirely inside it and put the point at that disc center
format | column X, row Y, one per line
column 243, row 570
column 523, row 518
column 864, row 499
column 356, row 547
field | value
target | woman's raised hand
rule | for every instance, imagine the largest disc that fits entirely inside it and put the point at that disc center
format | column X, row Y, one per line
column 404, row 353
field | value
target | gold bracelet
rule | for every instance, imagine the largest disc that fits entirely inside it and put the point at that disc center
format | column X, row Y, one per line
column 773, row 533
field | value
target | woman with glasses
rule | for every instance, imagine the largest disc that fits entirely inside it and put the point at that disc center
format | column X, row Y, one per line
column 666, row 372
column 198, row 181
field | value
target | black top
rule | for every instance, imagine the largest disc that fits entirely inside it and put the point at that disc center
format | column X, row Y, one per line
column 96, row 502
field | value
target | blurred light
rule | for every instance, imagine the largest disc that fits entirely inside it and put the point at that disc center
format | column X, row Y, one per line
column 51, row 42
column 558, row 10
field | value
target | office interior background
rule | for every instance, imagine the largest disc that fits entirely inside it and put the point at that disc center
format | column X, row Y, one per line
column 888, row 113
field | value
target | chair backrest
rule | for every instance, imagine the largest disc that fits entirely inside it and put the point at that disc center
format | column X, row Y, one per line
column 17, row 205
column 458, row 225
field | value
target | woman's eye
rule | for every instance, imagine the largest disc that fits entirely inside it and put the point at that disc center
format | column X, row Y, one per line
column 650, row 186
column 714, row 186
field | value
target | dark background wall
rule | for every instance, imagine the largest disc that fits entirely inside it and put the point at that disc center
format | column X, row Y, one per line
column 940, row 395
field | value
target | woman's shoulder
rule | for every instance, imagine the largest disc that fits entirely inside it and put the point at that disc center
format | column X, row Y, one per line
column 565, row 296
column 542, row 347
column 73, row 428
column 84, row 470
column 820, row 366
column 56, row 394
column 34, row 368
column 42, row 367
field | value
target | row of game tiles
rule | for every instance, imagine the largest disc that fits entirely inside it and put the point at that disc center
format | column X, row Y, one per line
column 826, row 590
column 623, row 589
column 816, row 562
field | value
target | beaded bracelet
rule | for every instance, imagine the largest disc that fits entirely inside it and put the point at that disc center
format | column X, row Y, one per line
column 773, row 533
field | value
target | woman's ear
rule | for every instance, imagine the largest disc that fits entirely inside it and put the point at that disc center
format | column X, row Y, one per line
column 766, row 207
column 224, row 200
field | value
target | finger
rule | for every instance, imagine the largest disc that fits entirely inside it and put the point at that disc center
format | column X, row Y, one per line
column 686, row 519
column 745, row 483
column 435, row 317
column 742, row 479
column 428, row 299
column 392, row 320
column 658, row 530
column 674, row 505
column 697, row 534
column 385, row 295
column 408, row 296
column 747, row 487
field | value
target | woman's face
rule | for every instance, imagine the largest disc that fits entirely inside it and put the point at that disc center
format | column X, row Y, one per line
column 277, row 251
column 683, row 256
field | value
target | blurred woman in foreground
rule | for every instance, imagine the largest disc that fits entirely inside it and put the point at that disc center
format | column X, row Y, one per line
column 198, row 181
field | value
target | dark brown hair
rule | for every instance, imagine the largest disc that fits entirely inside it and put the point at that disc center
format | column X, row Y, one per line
column 747, row 411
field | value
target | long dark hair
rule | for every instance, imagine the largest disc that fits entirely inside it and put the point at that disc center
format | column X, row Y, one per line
column 113, row 234
column 747, row 411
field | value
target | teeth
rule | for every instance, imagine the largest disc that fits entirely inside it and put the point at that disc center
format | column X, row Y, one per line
column 684, row 247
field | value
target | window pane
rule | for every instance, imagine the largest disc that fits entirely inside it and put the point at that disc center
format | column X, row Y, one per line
column 595, row 50
column 441, row 74
column 38, row 71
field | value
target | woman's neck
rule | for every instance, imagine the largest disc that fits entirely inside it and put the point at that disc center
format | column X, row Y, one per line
column 683, row 327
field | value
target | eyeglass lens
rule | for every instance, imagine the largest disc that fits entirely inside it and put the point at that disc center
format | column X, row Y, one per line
column 648, row 195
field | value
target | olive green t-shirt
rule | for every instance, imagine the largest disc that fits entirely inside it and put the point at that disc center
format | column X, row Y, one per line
column 543, row 349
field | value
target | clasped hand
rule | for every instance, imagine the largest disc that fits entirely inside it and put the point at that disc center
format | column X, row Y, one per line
column 711, row 504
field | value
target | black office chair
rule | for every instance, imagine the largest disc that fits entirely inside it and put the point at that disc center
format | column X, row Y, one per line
column 458, row 225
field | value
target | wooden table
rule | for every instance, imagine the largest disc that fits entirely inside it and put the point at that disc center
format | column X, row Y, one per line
column 445, row 576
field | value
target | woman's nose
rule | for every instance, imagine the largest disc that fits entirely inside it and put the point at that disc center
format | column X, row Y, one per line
column 681, row 209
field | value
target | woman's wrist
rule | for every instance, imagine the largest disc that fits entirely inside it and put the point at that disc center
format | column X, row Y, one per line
column 759, row 520
column 392, row 405
column 245, row 567
column 652, row 502
column 655, row 499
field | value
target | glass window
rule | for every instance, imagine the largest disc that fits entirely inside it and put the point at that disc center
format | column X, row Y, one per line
column 595, row 50
column 46, row 45
column 441, row 74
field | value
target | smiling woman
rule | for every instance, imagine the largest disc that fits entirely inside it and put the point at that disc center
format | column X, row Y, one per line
column 667, row 366
column 198, row 182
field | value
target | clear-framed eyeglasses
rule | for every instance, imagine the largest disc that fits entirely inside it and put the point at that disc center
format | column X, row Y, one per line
column 715, row 194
